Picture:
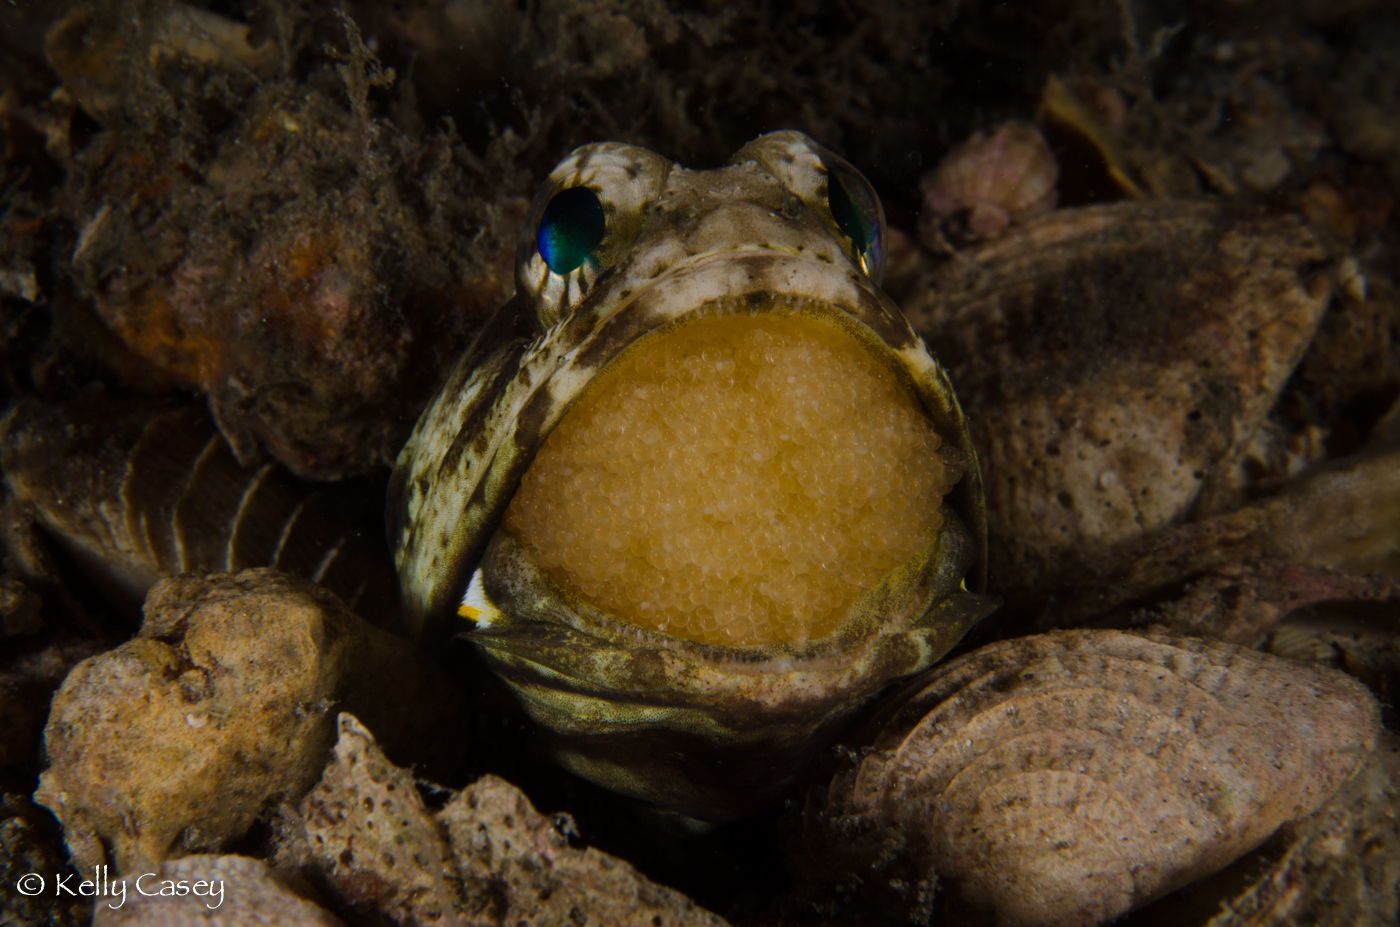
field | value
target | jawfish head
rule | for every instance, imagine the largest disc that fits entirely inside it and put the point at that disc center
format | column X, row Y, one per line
column 699, row 492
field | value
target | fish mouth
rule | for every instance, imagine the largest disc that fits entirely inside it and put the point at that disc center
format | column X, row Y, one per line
column 739, row 475
column 667, row 286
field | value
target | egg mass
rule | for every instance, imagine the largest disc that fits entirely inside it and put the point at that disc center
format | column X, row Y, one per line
column 738, row 482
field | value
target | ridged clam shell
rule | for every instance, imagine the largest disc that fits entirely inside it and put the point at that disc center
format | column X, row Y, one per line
column 1068, row 778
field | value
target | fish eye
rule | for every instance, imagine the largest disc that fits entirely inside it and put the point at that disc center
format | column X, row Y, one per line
column 570, row 229
column 858, row 215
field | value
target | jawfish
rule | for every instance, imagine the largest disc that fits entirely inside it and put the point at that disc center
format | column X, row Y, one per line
column 698, row 492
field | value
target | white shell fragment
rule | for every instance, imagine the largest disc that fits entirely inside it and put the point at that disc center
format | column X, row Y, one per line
column 1068, row 778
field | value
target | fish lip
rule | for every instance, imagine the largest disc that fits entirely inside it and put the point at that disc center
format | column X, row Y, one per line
column 695, row 267
column 608, row 693
column 559, row 620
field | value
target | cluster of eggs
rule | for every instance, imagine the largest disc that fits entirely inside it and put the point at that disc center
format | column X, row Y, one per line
column 738, row 481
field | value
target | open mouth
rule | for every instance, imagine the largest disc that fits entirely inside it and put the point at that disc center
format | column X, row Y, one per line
column 737, row 480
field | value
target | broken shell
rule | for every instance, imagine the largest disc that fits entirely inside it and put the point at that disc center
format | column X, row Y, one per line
column 136, row 491
column 632, row 265
column 998, row 179
column 1097, row 114
column 486, row 857
column 1332, row 535
column 1115, row 361
column 1067, row 778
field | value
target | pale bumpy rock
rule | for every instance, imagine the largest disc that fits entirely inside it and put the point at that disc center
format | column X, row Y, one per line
column 209, row 891
column 739, row 481
column 486, row 858
column 1114, row 362
column 1068, row 778
column 222, row 707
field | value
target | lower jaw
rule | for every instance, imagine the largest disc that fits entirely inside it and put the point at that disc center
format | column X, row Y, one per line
column 715, row 733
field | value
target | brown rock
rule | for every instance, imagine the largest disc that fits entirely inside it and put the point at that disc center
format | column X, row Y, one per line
column 498, row 836
column 256, row 230
column 1067, row 778
column 88, row 47
column 487, row 858
column 369, row 834
column 1111, row 359
column 221, row 707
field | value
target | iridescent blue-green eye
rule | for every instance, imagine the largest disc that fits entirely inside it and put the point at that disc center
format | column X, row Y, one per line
column 571, row 227
column 849, row 218
column 856, row 209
